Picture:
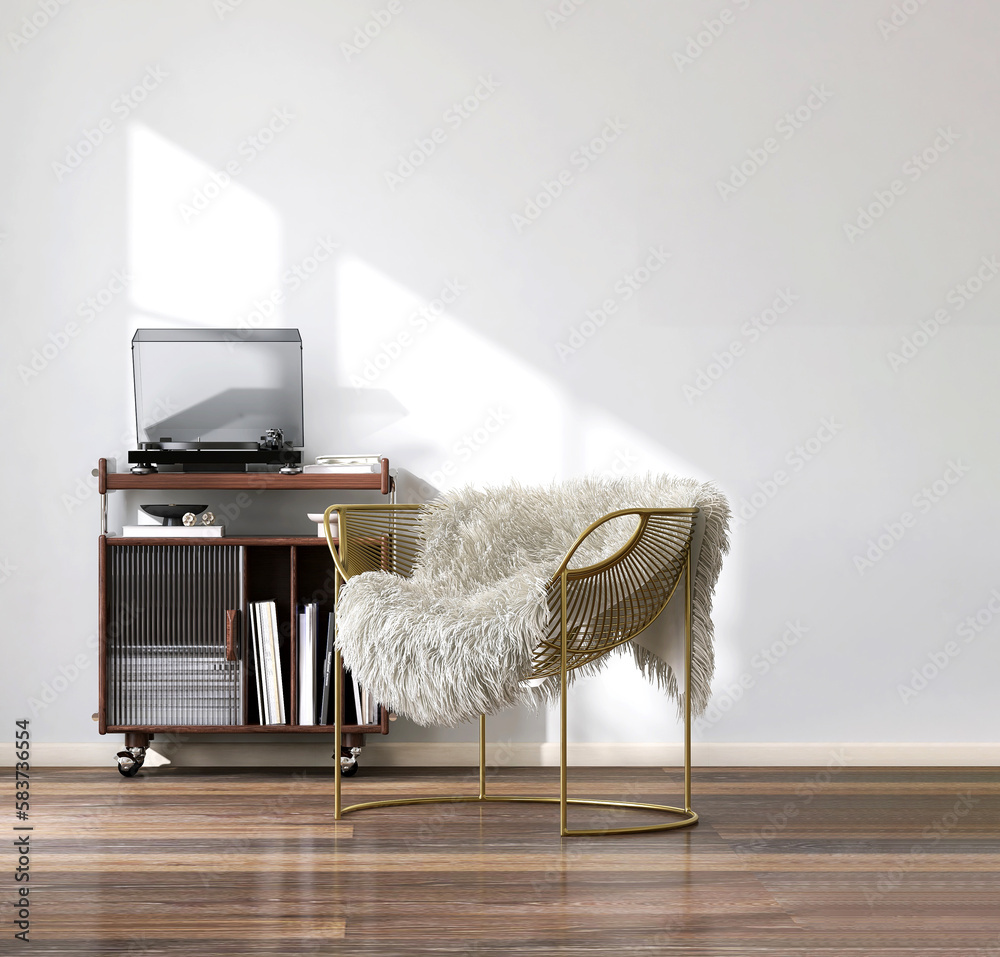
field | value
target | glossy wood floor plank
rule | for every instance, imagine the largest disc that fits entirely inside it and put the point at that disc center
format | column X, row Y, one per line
column 836, row 862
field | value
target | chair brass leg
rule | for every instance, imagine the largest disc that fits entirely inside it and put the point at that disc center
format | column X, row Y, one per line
column 687, row 815
column 562, row 711
column 338, row 680
column 687, row 684
column 338, row 687
column 482, row 756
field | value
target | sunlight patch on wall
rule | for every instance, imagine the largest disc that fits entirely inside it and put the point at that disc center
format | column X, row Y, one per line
column 467, row 410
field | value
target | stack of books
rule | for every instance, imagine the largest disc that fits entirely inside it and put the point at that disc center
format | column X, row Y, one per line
column 366, row 709
column 345, row 463
column 315, row 675
column 312, row 679
column 267, row 662
column 173, row 531
column 314, row 663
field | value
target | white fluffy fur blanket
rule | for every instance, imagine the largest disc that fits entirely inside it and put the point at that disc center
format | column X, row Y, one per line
column 456, row 639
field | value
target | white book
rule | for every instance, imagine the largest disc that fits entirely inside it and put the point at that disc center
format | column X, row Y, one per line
column 313, row 613
column 333, row 469
column 267, row 652
column 300, row 635
column 255, row 641
column 173, row 531
column 267, row 666
column 307, row 664
column 279, row 687
column 358, row 713
column 357, row 458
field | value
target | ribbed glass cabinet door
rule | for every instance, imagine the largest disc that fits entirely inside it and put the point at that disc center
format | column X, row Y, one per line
column 166, row 634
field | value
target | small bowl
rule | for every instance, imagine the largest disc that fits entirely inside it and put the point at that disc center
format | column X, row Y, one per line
column 317, row 517
column 172, row 514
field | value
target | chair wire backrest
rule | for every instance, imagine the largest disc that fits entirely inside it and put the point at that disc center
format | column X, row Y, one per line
column 380, row 540
column 612, row 601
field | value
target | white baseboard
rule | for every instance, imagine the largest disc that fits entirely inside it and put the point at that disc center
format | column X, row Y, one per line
column 466, row 754
column 707, row 755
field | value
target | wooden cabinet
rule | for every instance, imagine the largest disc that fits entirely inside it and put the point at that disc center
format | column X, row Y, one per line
column 175, row 651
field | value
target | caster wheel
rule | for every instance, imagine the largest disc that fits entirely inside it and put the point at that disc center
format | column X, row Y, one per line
column 130, row 760
column 348, row 761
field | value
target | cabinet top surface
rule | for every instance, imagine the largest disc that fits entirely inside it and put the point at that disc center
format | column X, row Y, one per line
column 244, row 480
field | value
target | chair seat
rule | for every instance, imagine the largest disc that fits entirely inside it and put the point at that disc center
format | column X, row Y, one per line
column 477, row 616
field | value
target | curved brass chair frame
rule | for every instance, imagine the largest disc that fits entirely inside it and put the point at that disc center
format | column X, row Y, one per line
column 594, row 609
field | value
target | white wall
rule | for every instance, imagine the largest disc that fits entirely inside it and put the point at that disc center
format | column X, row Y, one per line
column 514, row 350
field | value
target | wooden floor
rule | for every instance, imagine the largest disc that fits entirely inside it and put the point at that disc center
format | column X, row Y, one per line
column 792, row 861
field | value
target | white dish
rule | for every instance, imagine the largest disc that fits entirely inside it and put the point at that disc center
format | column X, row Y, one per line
column 317, row 517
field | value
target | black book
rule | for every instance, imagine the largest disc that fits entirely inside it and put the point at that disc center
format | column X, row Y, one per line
column 324, row 711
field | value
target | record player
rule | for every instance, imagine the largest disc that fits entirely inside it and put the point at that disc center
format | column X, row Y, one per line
column 217, row 400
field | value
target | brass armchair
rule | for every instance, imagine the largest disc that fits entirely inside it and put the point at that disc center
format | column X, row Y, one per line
column 593, row 609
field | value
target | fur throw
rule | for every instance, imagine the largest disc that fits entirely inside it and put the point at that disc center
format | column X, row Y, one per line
column 456, row 639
